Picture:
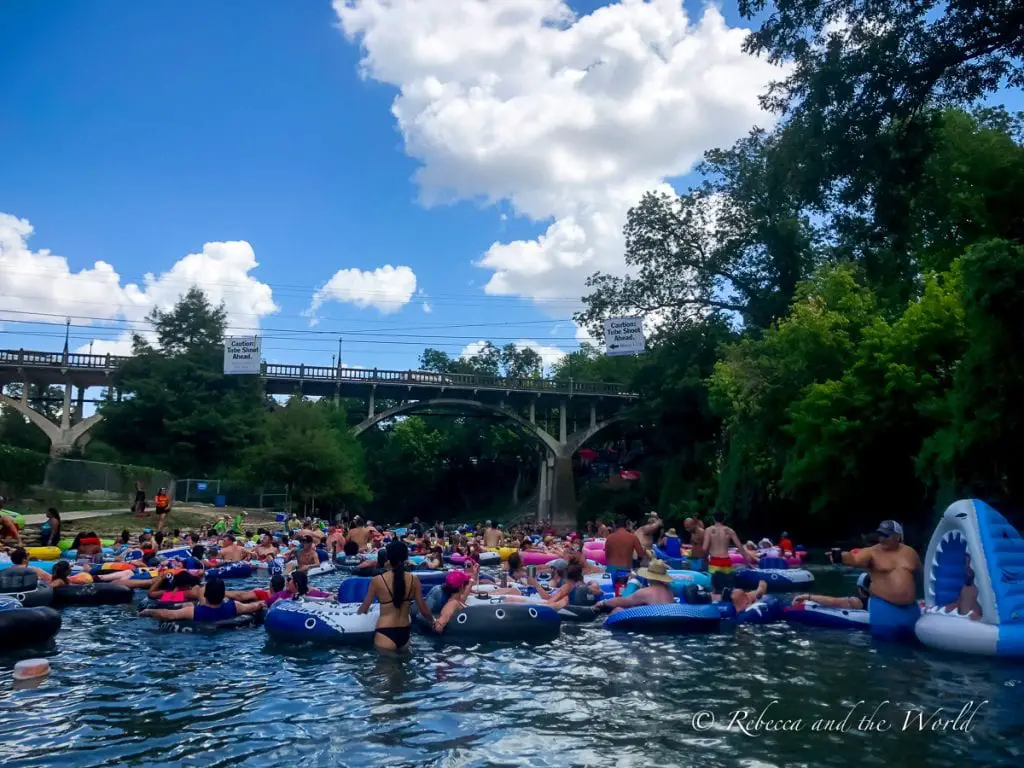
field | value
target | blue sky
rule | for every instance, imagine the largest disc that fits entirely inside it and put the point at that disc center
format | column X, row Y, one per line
column 137, row 133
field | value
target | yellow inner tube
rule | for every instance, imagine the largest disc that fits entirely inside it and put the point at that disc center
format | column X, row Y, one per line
column 505, row 552
column 43, row 553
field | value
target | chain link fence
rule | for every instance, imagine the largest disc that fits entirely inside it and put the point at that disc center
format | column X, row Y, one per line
column 219, row 492
column 98, row 481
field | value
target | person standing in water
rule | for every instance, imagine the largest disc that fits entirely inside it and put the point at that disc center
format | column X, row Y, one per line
column 695, row 528
column 717, row 539
column 893, row 609
column 395, row 590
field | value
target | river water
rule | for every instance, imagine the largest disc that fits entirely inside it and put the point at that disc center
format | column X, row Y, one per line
column 122, row 693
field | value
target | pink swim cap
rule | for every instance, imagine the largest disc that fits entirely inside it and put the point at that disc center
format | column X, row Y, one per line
column 457, row 579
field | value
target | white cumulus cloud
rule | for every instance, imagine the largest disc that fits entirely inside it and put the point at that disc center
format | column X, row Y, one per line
column 549, row 354
column 386, row 288
column 41, row 286
column 568, row 118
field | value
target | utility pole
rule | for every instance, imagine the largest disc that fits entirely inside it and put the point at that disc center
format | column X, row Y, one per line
column 339, row 352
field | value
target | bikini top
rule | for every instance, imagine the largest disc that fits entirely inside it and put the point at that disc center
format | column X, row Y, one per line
column 408, row 591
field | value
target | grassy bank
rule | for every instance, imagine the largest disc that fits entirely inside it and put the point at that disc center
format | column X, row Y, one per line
column 182, row 518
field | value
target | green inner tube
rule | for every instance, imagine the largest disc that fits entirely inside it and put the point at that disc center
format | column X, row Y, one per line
column 15, row 516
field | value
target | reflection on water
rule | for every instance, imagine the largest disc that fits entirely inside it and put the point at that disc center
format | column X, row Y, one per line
column 120, row 692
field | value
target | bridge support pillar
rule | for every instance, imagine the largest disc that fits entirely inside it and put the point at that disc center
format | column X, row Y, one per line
column 562, row 431
column 593, row 415
column 371, row 411
column 543, row 489
column 533, row 412
column 563, row 501
column 63, row 438
column 65, row 412
column 80, row 408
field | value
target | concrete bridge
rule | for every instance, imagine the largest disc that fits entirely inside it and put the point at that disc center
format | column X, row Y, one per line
column 560, row 415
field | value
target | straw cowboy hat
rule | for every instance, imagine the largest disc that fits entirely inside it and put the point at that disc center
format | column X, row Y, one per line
column 656, row 571
column 672, row 532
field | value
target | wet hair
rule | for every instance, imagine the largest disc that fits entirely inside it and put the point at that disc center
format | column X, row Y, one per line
column 301, row 581
column 277, row 582
column 19, row 556
column 61, row 570
column 620, row 522
column 198, row 551
column 77, row 542
column 397, row 554
column 382, row 558
column 52, row 512
column 574, row 572
column 719, row 516
column 126, row 536
column 351, row 549
column 215, row 591
column 177, row 532
column 159, row 538
column 515, row 562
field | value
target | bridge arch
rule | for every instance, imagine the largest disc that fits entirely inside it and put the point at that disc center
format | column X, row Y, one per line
column 64, row 437
column 579, row 438
column 448, row 402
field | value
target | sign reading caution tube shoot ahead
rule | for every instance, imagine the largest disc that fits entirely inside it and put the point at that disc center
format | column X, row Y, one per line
column 624, row 336
column 242, row 355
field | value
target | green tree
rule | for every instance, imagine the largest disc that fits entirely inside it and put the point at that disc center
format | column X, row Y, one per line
column 737, row 244
column 302, row 448
column 863, row 431
column 179, row 411
column 977, row 451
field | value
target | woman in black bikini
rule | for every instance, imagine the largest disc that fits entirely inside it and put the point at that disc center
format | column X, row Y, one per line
column 395, row 590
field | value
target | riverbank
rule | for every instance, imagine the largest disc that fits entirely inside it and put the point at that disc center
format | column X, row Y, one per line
column 110, row 523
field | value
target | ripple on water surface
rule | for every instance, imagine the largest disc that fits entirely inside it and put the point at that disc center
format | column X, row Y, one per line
column 122, row 693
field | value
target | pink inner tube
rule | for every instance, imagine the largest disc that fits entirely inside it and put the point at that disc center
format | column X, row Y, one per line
column 597, row 555
column 737, row 558
column 458, row 559
column 537, row 558
column 593, row 546
column 793, row 562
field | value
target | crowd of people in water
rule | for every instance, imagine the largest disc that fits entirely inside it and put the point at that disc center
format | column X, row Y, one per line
column 300, row 546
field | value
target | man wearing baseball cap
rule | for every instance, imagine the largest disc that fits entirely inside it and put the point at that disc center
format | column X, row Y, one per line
column 893, row 609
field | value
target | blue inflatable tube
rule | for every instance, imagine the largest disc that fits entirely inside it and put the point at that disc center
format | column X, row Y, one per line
column 230, row 571
column 814, row 615
column 672, row 562
column 765, row 611
column 299, row 621
column 778, row 580
column 677, row 618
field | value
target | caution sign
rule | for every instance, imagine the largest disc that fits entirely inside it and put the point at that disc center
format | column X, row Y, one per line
column 242, row 354
column 624, row 336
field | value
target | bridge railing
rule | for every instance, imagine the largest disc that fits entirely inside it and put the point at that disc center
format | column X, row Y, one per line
column 31, row 359
column 73, row 360
column 431, row 379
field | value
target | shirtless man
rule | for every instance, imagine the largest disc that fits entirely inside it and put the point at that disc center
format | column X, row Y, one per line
column 602, row 530
column 305, row 558
column 266, row 549
column 232, row 552
column 492, row 536
column 657, row 592
column 695, row 528
column 335, row 541
column 359, row 533
column 892, row 608
column 650, row 532
column 967, row 602
column 717, row 539
column 621, row 547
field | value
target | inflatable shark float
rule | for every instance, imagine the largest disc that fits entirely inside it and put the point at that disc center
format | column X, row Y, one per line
column 974, row 548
